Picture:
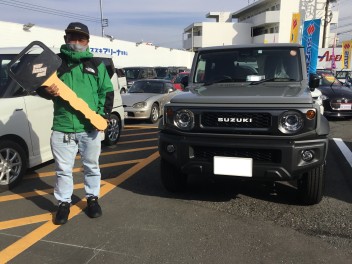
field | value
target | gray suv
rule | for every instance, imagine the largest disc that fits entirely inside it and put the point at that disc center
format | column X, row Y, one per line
column 248, row 114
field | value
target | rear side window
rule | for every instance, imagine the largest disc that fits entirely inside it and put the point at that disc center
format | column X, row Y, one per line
column 8, row 87
column 120, row 73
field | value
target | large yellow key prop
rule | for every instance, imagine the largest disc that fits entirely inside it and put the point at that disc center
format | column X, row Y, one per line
column 36, row 66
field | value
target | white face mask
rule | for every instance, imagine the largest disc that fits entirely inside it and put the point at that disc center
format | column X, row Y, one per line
column 77, row 47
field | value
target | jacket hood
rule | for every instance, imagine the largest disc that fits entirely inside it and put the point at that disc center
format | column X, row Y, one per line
column 74, row 55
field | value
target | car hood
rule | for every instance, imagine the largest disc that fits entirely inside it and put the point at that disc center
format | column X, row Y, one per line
column 129, row 99
column 336, row 91
column 242, row 94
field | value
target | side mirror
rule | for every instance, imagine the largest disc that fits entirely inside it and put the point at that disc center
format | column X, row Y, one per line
column 314, row 80
column 184, row 81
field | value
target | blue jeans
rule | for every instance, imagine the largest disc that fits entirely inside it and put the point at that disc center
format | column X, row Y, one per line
column 64, row 147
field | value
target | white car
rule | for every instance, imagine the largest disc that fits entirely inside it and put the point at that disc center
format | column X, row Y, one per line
column 122, row 80
column 26, row 120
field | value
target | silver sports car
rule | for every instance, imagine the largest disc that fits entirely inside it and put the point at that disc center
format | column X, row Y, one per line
column 146, row 99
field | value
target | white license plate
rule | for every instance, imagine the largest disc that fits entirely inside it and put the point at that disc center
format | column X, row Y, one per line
column 345, row 106
column 126, row 114
column 233, row 166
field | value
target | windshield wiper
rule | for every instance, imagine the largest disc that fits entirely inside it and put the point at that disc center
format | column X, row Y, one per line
column 271, row 80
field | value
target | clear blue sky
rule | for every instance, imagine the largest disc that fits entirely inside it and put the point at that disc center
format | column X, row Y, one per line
column 156, row 21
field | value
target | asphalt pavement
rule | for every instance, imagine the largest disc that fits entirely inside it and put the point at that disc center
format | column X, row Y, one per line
column 214, row 221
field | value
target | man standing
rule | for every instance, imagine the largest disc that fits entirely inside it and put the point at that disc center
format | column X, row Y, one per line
column 72, row 132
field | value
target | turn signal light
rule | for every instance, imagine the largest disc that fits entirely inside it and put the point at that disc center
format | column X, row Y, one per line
column 310, row 114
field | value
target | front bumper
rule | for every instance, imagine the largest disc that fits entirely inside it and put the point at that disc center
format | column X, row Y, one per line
column 273, row 159
column 135, row 113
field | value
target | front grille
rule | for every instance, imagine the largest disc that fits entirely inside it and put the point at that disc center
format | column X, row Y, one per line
column 259, row 155
column 235, row 120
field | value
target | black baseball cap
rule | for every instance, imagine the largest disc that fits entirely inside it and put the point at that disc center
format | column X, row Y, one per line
column 77, row 27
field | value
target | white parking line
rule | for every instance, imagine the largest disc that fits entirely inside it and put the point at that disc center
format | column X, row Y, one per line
column 344, row 149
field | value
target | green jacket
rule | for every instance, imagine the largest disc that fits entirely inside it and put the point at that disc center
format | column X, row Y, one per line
column 95, row 89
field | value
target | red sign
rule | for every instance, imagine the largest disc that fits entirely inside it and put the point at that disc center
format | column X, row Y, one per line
column 311, row 29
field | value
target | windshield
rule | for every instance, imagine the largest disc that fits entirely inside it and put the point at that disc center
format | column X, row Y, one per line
column 161, row 72
column 329, row 79
column 132, row 73
column 249, row 65
column 147, row 87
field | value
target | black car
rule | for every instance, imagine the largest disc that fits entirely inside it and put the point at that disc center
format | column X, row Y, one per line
column 136, row 73
column 166, row 73
column 337, row 97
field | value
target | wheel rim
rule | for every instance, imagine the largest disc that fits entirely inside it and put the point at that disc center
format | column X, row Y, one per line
column 155, row 113
column 10, row 165
column 113, row 129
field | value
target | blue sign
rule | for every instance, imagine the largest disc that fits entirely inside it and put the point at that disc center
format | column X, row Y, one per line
column 310, row 41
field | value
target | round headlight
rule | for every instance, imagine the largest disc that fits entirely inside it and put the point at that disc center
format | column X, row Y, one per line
column 184, row 119
column 290, row 122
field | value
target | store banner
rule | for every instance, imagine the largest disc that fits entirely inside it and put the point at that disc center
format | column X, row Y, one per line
column 310, row 42
column 295, row 25
column 346, row 54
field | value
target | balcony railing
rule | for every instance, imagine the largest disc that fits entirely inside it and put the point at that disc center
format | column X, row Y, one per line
column 195, row 43
column 264, row 18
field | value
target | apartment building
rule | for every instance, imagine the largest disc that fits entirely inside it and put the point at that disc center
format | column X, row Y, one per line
column 264, row 21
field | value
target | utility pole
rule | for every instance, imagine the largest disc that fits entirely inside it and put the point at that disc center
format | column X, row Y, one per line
column 326, row 21
column 104, row 21
column 101, row 18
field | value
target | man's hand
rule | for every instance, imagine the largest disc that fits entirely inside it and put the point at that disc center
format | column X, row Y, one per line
column 53, row 90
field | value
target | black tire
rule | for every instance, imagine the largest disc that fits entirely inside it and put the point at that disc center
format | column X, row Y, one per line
column 311, row 186
column 13, row 164
column 113, row 132
column 154, row 114
column 172, row 178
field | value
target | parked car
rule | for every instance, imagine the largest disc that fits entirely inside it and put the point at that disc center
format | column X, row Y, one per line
column 337, row 98
column 166, row 73
column 146, row 99
column 136, row 73
column 121, row 76
column 343, row 75
column 176, row 81
column 249, row 116
column 26, row 120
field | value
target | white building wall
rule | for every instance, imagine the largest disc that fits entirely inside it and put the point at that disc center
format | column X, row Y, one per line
column 215, row 34
column 268, row 15
column 124, row 53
